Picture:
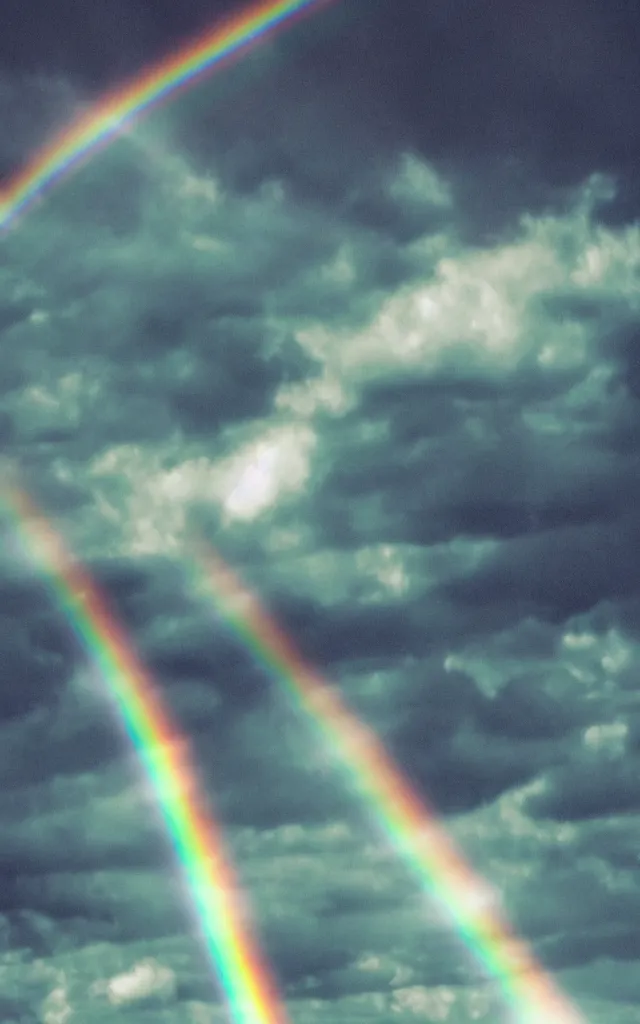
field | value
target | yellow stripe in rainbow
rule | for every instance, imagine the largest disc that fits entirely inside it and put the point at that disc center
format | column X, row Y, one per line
column 250, row 990
column 411, row 826
column 119, row 107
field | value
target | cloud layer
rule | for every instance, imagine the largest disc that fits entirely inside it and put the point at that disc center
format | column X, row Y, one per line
column 396, row 383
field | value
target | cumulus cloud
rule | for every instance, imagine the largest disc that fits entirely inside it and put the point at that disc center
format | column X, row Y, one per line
column 147, row 981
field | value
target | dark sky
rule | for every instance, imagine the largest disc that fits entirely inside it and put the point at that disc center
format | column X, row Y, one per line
column 365, row 308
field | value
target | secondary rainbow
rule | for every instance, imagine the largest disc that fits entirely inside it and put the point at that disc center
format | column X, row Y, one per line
column 410, row 824
column 119, row 107
column 222, row 912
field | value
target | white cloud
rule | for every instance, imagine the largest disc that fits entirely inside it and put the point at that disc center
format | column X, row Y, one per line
column 56, row 1008
column 608, row 738
column 481, row 303
column 146, row 979
column 271, row 467
column 266, row 465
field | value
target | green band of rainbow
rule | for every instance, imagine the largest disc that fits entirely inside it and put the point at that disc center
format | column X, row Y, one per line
column 411, row 826
column 119, row 107
column 250, row 990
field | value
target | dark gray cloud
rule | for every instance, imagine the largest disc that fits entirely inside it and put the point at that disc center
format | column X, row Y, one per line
column 560, row 573
column 26, row 673
column 590, row 788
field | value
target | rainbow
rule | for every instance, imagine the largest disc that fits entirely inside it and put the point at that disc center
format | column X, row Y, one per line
column 115, row 111
column 411, row 826
column 249, row 988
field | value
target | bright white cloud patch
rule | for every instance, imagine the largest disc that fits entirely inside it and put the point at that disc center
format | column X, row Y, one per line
column 480, row 304
column 260, row 473
column 266, row 471
column 146, row 979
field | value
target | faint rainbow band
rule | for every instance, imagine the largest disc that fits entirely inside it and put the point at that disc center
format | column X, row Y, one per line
column 411, row 826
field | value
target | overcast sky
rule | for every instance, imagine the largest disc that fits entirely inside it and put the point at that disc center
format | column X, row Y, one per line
column 365, row 308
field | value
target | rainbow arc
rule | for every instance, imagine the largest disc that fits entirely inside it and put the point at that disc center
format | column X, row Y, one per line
column 405, row 818
column 247, row 982
column 114, row 112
